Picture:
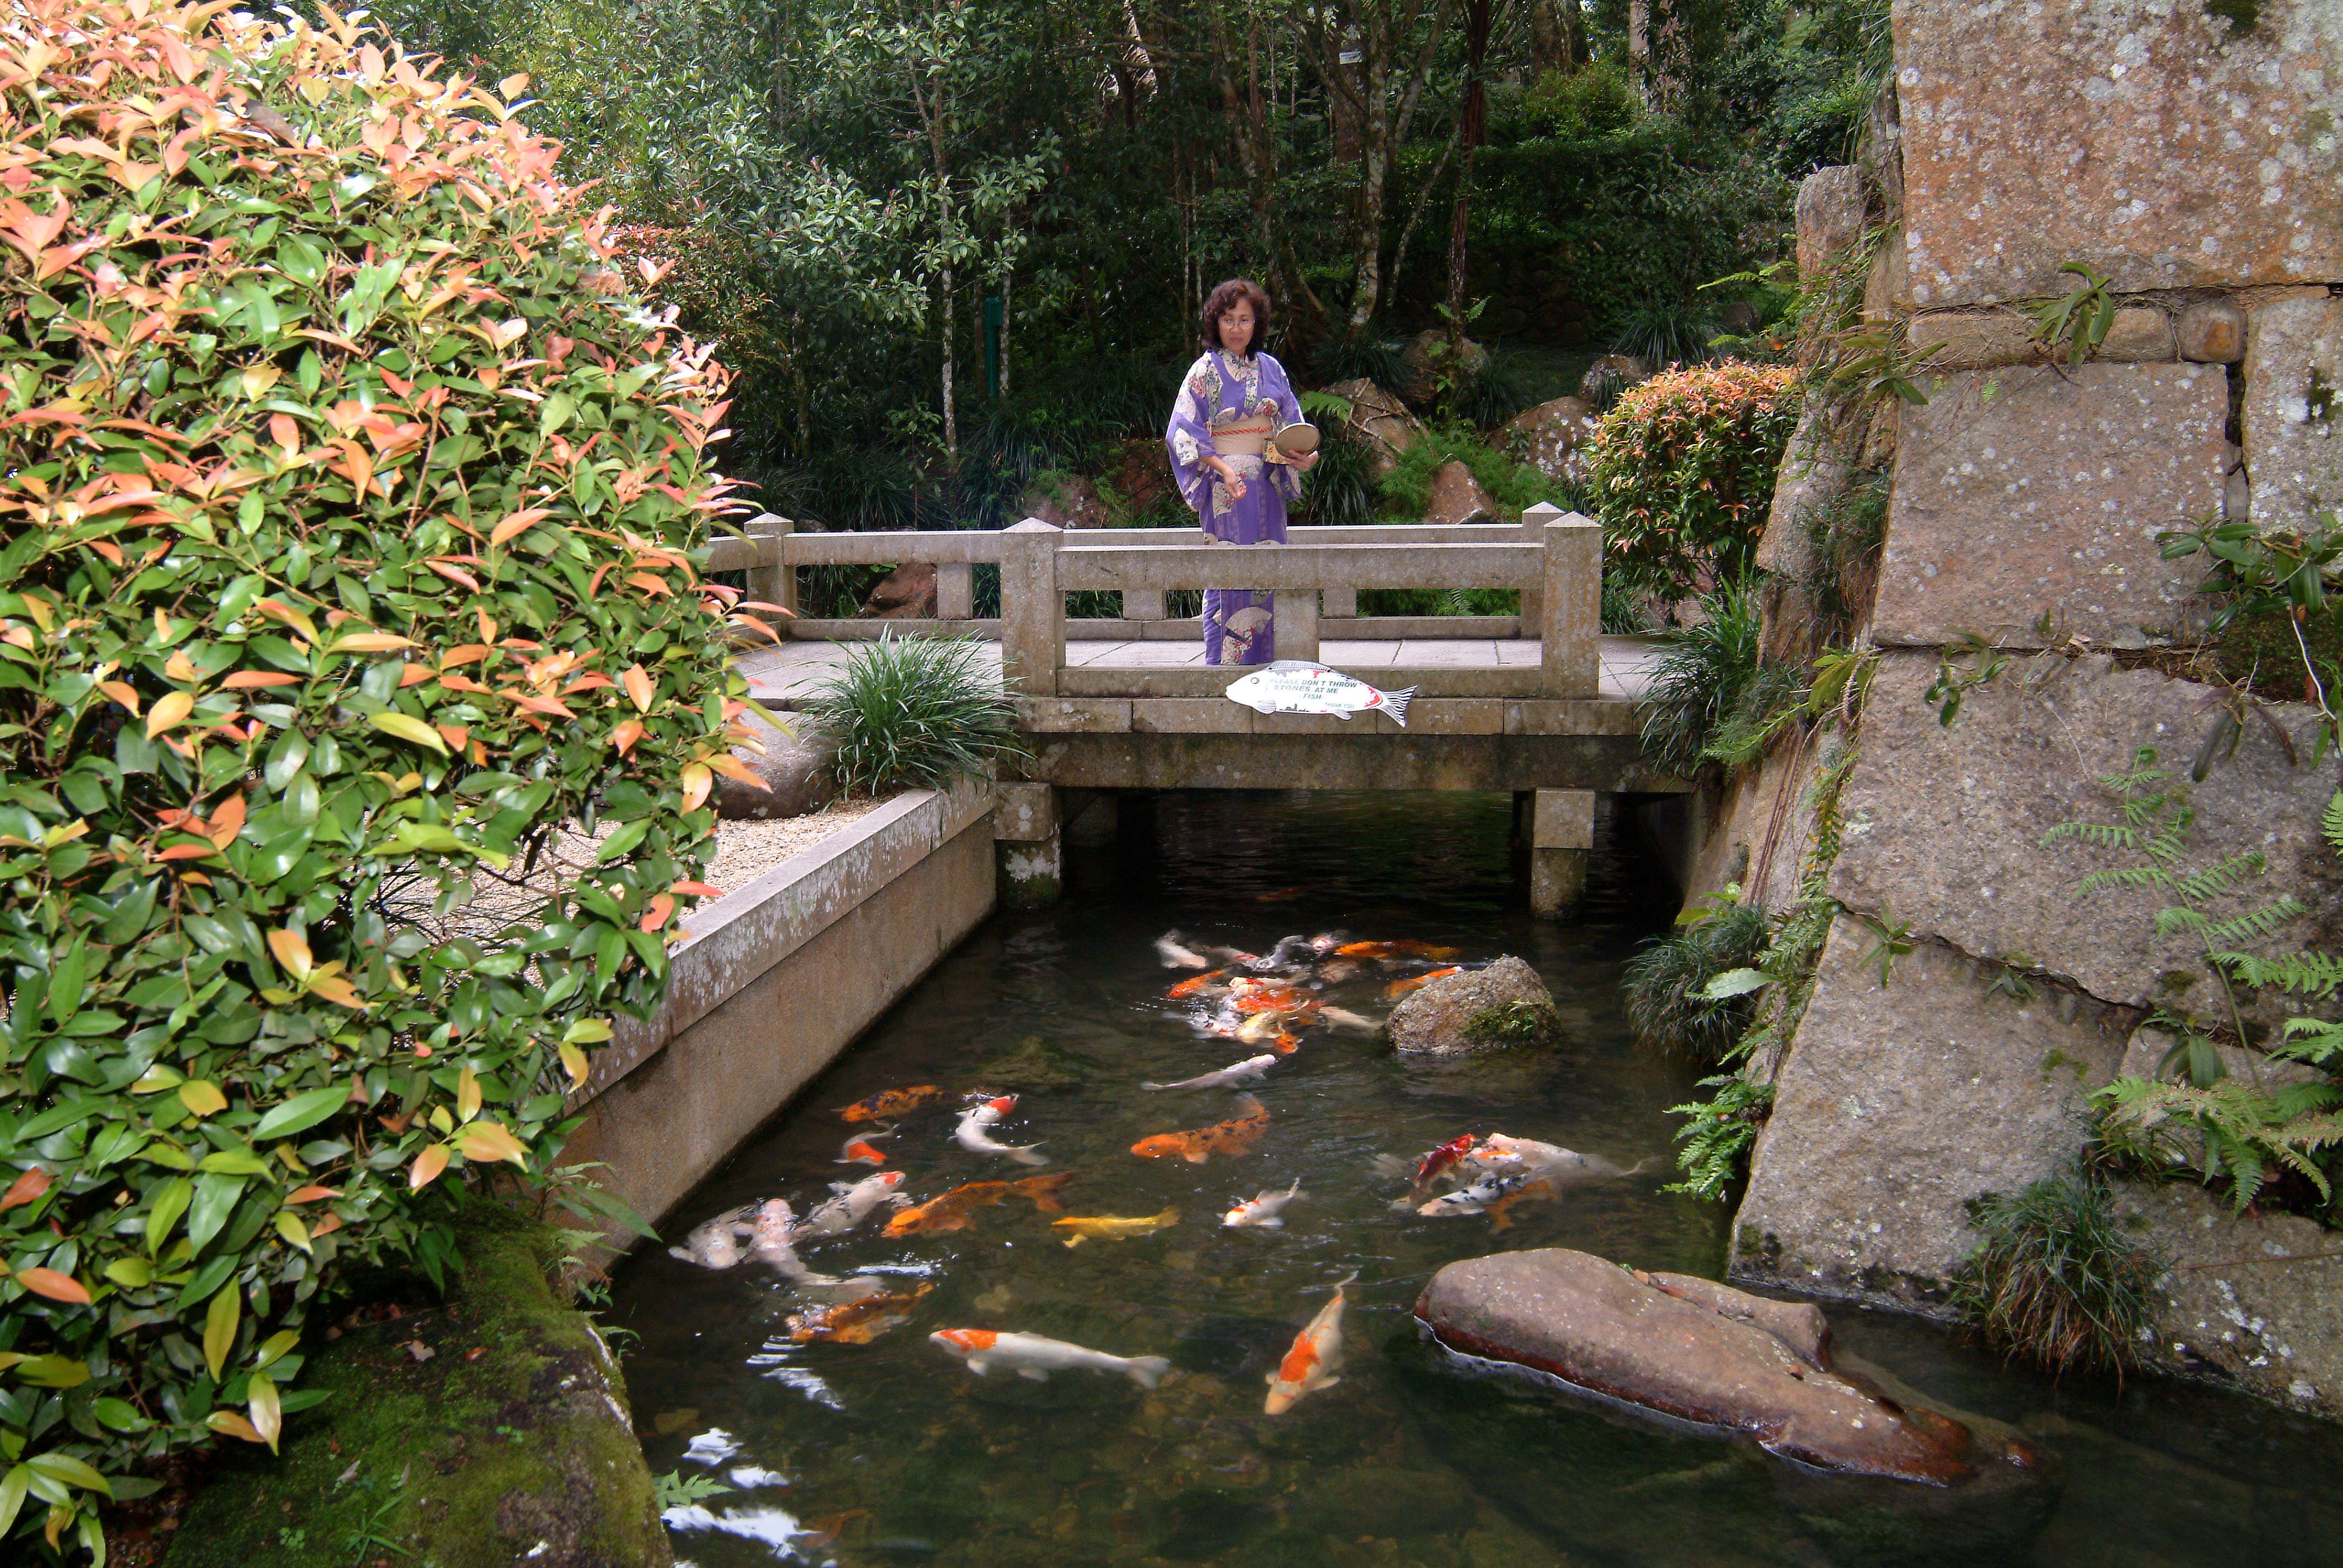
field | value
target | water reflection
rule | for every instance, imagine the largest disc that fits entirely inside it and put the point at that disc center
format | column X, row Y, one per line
column 894, row 1452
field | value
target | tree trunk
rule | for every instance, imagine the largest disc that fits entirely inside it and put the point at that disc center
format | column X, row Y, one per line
column 1006, row 273
column 1469, row 125
column 951, row 426
column 1639, row 46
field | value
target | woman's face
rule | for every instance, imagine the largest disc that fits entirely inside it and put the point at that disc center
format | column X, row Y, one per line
column 1236, row 325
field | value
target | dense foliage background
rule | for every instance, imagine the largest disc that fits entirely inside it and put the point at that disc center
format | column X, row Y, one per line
column 848, row 183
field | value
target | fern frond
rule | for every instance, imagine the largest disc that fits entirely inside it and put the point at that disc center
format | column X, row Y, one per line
column 2316, row 1041
column 2331, row 823
column 2307, row 974
column 2177, row 918
column 2098, row 835
column 2255, row 924
column 2126, row 877
column 2211, row 882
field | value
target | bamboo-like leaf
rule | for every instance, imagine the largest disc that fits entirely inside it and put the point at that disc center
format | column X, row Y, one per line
column 268, row 1413
column 427, row 1167
column 202, row 1097
column 468, row 1096
column 291, row 949
column 407, row 728
column 220, row 1323
column 55, row 1286
column 490, row 1141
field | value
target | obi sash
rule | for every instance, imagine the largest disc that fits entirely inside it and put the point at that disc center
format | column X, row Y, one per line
column 1242, row 435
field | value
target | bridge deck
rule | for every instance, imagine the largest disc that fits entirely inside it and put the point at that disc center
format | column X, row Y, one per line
column 788, row 673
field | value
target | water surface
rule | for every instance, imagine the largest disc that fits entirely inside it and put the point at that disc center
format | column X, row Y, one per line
column 903, row 1456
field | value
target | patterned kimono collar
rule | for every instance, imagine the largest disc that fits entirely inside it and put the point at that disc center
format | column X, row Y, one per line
column 1246, row 368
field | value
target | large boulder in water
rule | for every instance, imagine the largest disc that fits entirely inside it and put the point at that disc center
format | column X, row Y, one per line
column 1477, row 1010
column 1699, row 1352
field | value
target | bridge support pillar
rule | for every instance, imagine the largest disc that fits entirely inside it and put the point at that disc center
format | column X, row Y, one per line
column 1562, row 833
column 1026, row 846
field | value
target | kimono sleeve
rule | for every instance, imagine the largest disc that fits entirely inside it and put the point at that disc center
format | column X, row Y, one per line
column 1275, row 388
column 1189, row 436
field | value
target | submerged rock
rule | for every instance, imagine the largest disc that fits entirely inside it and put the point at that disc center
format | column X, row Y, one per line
column 1698, row 1351
column 1479, row 1010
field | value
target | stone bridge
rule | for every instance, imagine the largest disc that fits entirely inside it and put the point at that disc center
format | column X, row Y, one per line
column 1537, row 704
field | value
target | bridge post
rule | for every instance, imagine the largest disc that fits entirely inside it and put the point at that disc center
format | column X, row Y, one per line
column 1562, row 832
column 1297, row 626
column 955, row 590
column 1339, row 603
column 1026, row 846
column 1570, row 625
column 1533, row 522
column 1032, row 608
column 1142, row 604
column 778, row 583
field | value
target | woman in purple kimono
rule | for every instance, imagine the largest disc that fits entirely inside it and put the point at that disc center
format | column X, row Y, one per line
column 1230, row 401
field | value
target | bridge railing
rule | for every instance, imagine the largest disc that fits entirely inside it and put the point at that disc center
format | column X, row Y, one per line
column 773, row 550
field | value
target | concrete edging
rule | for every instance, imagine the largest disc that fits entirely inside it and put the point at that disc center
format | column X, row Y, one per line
column 774, row 980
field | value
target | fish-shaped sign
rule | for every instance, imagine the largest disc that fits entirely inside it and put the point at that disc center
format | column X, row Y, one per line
column 1295, row 685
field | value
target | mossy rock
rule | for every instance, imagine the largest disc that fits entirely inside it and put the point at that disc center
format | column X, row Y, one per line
column 512, row 1443
column 1525, row 1022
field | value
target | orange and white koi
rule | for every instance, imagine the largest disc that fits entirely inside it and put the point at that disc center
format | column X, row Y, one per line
column 858, row 1321
column 1310, row 1365
column 852, row 1205
column 1500, row 1216
column 1383, row 952
column 971, row 1134
column 1399, row 987
column 952, row 1211
column 1251, row 1067
column 1199, row 1144
column 895, row 1102
column 1265, row 1208
column 1032, row 1356
column 863, row 1150
column 1113, row 1227
column 1194, row 985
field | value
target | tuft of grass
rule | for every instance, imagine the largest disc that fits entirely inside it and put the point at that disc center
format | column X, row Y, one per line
column 1705, row 672
column 2054, row 1278
column 917, row 712
column 1352, row 356
column 1664, row 983
column 1339, row 490
column 1665, row 332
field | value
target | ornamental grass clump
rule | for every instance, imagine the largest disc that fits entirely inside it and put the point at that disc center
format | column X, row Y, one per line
column 917, row 712
column 1682, row 474
column 1666, row 981
column 353, row 510
column 2056, row 1280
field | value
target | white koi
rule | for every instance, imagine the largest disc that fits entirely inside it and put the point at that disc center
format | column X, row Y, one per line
column 774, row 1246
column 717, row 1243
column 1033, row 1356
column 1251, row 1067
column 1175, row 956
column 852, row 1205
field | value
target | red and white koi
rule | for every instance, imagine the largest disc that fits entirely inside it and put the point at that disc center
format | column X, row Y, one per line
column 1310, row 1365
column 863, row 1150
column 1033, row 1356
column 971, row 1134
column 1266, row 1209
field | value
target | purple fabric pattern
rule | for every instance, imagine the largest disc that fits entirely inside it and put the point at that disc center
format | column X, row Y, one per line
column 1239, row 626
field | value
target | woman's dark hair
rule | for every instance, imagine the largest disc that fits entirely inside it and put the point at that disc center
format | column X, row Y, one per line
column 1224, row 299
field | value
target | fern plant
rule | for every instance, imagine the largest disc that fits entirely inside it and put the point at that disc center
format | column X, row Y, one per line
column 2314, row 977
column 1719, row 1134
column 2242, row 1129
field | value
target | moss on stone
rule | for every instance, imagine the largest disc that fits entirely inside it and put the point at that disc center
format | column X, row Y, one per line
column 514, row 1432
column 1522, row 1023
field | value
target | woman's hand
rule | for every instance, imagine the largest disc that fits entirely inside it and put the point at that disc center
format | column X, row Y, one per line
column 1304, row 463
column 1228, row 477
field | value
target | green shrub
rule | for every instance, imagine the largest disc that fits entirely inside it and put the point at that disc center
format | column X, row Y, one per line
column 355, row 511
column 1665, row 981
column 1406, row 489
column 1339, row 491
column 917, row 712
column 1683, row 474
column 1592, row 101
column 2054, row 1278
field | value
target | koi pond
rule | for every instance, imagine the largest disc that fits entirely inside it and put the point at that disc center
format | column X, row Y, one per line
column 892, row 1451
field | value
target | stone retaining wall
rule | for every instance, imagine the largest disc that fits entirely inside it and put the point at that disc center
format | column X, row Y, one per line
column 2193, row 161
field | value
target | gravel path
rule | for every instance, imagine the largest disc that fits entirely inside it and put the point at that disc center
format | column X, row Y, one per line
column 749, row 848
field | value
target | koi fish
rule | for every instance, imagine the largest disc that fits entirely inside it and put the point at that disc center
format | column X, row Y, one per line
column 1176, row 957
column 775, row 1243
column 1442, row 1158
column 1383, row 952
column 1264, row 1209
column 1194, row 984
column 1271, row 1027
column 1282, row 894
column 1310, row 1365
column 895, row 1102
column 717, row 1243
column 1201, row 1143
column 860, row 1149
column 1289, row 953
column 855, row 1322
column 1113, row 1228
column 1334, row 972
column 952, row 1211
column 1032, row 1356
column 1261, row 995
column 1402, row 987
column 1499, row 1218
column 1251, row 1067
column 971, row 1134
column 852, row 1205
column 1529, row 1156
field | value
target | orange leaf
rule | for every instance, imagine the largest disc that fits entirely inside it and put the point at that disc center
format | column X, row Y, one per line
column 463, row 654
column 464, row 683
column 656, row 587
column 427, row 1167
column 550, row 707
column 170, row 709
column 337, row 989
column 311, row 1194
column 26, row 1188
column 231, row 1425
column 326, row 1227
column 697, row 890
column 187, row 852
column 292, row 950
column 519, row 523
column 640, row 688
column 122, row 693
column 227, row 822
column 656, row 916
column 413, row 674
column 489, row 1140
column 731, row 767
column 594, row 682
column 696, row 782
column 455, row 575
column 56, row 1287
column 455, row 735
column 252, row 680
column 624, row 737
